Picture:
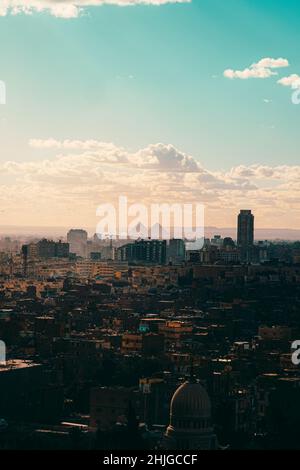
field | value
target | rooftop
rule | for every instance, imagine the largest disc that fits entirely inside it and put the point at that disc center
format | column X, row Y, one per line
column 14, row 364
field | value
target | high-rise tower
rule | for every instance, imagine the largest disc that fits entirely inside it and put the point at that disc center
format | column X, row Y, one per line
column 245, row 234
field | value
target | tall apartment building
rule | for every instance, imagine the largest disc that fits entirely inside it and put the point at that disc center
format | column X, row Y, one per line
column 77, row 239
column 145, row 251
column 46, row 249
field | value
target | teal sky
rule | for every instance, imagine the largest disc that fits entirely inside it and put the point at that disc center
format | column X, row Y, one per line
column 145, row 74
column 137, row 76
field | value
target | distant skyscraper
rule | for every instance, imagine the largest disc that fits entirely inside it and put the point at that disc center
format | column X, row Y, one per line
column 245, row 234
column 77, row 239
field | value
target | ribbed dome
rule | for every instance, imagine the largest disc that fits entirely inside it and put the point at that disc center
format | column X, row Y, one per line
column 190, row 400
column 190, row 425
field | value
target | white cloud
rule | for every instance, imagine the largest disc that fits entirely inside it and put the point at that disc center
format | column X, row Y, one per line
column 263, row 172
column 271, row 63
column 69, row 8
column 249, row 73
column 156, row 156
column 262, row 69
column 292, row 81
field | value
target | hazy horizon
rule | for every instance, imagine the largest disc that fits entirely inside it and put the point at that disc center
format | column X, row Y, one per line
column 210, row 231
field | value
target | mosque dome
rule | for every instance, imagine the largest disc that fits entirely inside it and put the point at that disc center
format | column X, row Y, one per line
column 190, row 400
column 190, row 419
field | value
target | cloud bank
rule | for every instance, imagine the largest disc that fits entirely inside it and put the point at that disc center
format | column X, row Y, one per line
column 66, row 188
column 69, row 8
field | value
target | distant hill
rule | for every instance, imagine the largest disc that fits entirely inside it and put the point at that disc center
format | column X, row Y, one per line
column 260, row 233
column 55, row 232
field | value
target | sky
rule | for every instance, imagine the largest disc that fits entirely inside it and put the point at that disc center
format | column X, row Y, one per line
column 159, row 100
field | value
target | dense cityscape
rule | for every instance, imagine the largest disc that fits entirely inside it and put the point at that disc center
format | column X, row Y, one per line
column 147, row 345
column 149, row 232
